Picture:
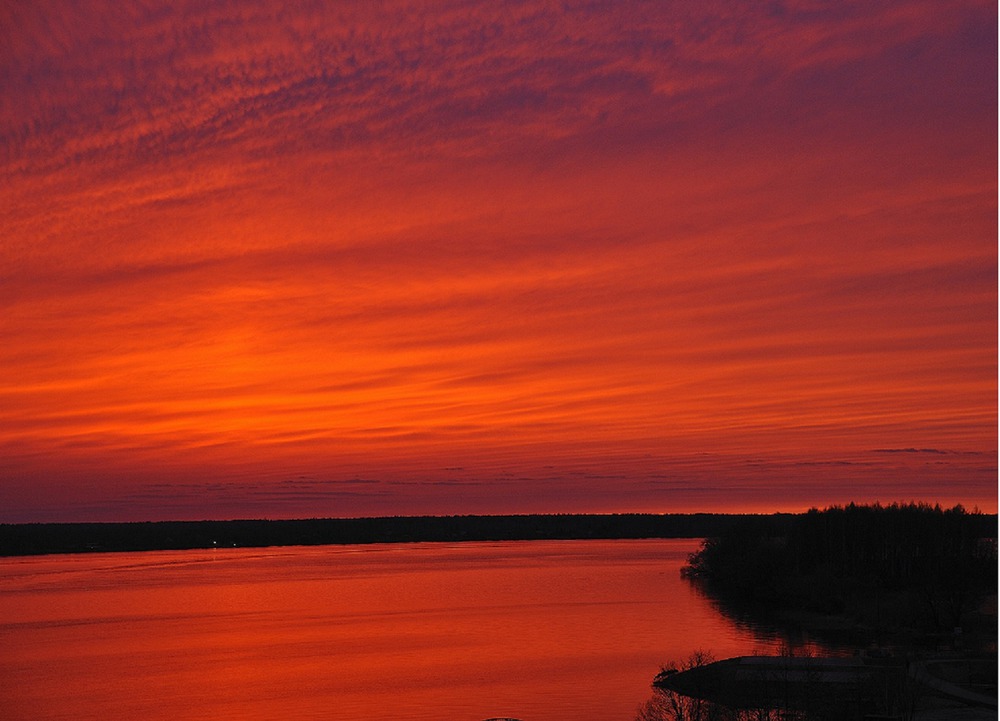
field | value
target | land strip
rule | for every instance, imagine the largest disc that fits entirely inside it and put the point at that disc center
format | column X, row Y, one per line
column 46, row 538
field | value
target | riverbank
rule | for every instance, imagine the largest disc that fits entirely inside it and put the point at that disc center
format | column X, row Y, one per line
column 46, row 538
column 856, row 686
column 896, row 576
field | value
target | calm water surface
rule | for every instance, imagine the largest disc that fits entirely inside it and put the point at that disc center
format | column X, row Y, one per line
column 543, row 631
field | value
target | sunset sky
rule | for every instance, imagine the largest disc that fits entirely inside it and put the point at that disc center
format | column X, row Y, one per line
column 261, row 259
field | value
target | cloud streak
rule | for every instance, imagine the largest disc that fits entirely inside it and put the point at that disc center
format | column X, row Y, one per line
column 246, row 241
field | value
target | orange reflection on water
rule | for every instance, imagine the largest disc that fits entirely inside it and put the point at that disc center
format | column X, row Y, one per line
column 541, row 630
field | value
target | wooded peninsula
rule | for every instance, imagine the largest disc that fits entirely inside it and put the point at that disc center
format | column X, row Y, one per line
column 890, row 572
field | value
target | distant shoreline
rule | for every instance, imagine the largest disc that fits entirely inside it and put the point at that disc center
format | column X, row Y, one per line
column 30, row 539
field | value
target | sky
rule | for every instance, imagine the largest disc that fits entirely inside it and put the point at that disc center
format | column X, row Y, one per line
column 269, row 260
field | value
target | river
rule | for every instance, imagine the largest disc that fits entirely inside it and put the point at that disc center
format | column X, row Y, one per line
column 537, row 630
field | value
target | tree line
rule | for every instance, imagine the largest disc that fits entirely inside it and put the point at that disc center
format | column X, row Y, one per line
column 41, row 538
column 911, row 565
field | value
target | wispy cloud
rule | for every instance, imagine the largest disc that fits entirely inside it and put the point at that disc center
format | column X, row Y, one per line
column 338, row 239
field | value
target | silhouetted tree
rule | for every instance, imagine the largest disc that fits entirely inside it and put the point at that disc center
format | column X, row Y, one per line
column 667, row 705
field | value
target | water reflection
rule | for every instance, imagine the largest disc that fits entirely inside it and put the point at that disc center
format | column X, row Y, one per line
column 789, row 637
column 539, row 630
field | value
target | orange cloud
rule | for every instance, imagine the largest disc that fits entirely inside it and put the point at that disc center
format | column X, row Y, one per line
column 633, row 257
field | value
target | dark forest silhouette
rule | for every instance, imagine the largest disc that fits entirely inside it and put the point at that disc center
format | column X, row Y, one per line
column 39, row 538
column 911, row 587
column 888, row 569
